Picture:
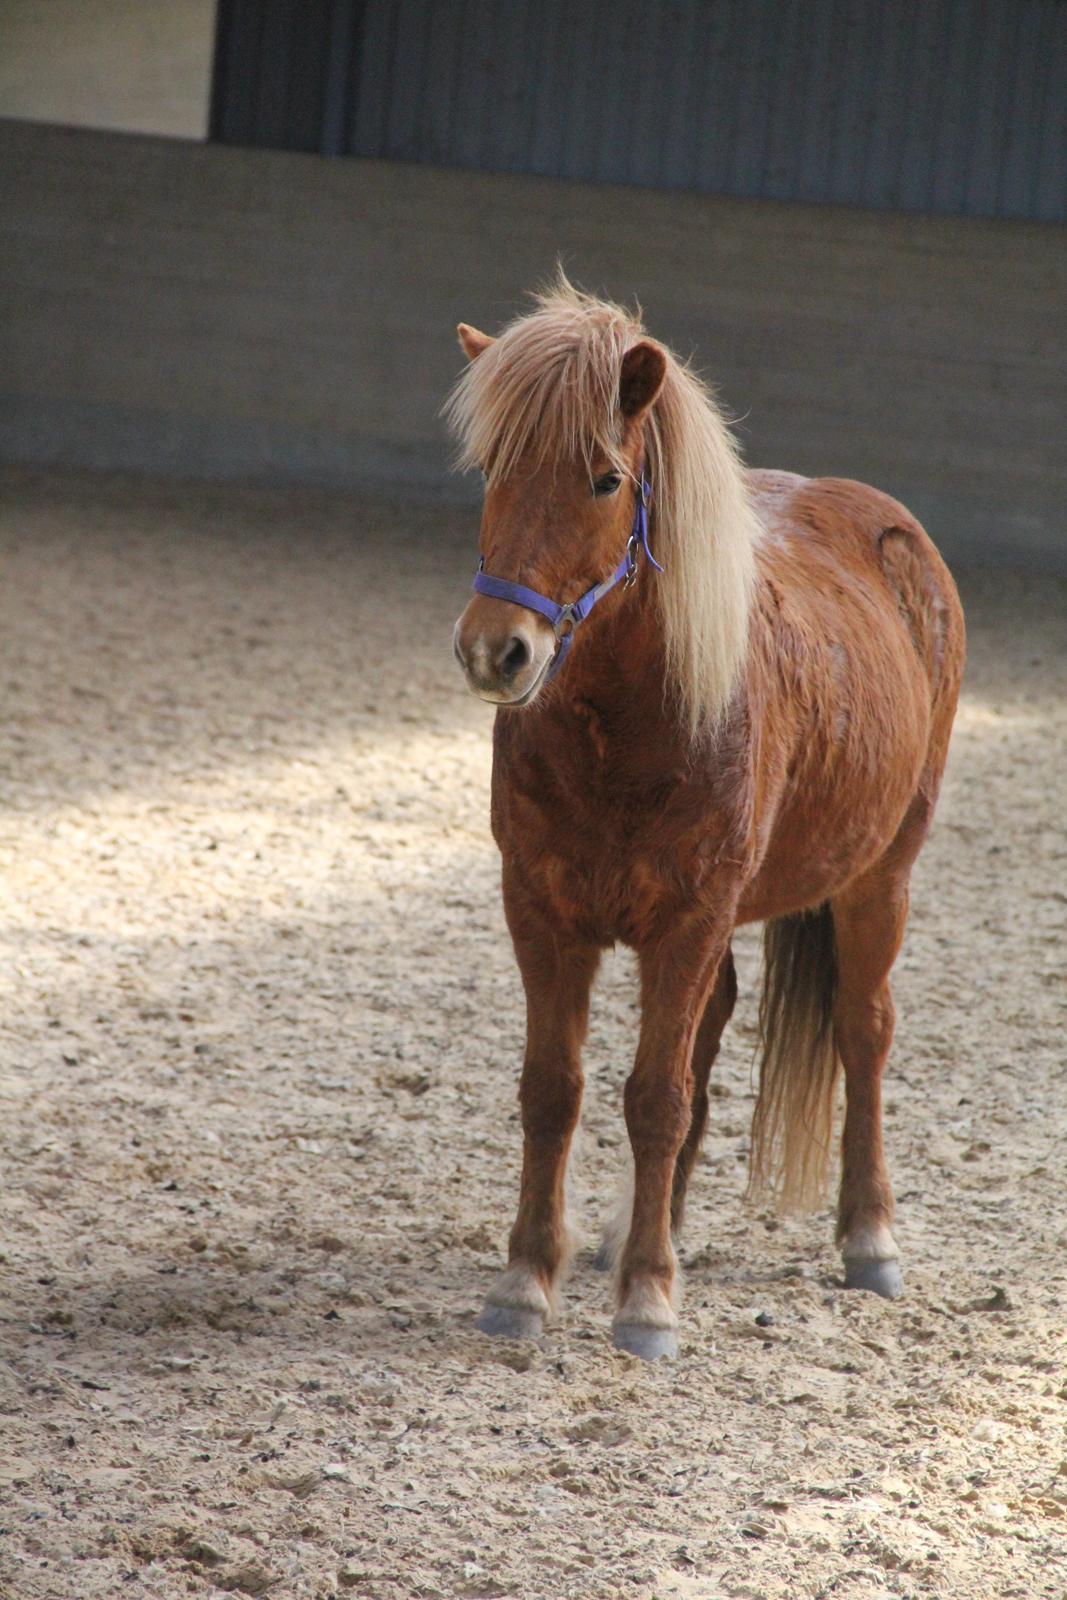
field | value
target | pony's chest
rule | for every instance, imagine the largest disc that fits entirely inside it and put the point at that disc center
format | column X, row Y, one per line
column 611, row 845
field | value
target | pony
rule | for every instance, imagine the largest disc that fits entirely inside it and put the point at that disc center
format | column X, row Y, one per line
column 723, row 696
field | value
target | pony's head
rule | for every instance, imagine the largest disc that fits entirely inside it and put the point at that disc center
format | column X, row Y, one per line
column 559, row 504
column 563, row 413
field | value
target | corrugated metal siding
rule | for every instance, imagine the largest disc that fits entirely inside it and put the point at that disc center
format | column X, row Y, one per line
column 952, row 106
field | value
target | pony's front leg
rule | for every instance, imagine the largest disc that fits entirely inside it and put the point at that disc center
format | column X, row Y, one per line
column 676, row 977
column 557, row 974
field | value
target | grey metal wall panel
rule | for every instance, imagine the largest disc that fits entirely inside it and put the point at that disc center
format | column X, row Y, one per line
column 193, row 309
column 951, row 106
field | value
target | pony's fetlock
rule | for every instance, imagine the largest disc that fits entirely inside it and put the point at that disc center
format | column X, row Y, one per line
column 520, row 1287
column 646, row 1303
column 645, row 1324
column 516, row 1306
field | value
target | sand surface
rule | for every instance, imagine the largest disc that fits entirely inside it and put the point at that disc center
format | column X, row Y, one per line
column 260, row 1041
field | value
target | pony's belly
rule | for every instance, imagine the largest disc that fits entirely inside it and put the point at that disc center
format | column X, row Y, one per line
column 823, row 841
column 785, row 884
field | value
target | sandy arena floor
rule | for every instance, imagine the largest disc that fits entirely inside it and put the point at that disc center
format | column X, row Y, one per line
column 261, row 1033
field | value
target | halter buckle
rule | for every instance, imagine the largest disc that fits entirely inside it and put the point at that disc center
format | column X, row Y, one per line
column 632, row 547
column 567, row 619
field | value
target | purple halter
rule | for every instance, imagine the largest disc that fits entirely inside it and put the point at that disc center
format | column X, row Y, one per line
column 568, row 616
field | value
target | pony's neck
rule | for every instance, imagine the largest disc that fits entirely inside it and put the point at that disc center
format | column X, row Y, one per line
column 618, row 672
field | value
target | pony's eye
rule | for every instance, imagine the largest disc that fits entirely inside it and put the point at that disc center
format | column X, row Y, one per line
column 607, row 484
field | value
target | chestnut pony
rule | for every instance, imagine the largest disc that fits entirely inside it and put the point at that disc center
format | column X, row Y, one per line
column 756, row 732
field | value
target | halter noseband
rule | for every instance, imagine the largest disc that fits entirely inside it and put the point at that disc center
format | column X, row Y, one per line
column 568, row 617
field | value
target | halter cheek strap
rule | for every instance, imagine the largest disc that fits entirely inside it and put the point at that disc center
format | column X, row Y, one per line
column 565, row 618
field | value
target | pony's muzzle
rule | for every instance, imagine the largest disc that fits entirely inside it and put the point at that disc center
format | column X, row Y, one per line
column 504, row 650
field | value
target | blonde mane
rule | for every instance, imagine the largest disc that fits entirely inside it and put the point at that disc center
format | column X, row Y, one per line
column 549, row 387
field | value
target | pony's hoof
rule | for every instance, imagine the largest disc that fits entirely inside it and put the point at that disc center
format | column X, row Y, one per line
column 877, row 1277
column 641, row 1339
column 510, row 1322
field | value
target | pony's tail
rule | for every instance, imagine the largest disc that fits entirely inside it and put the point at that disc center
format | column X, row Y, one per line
column 792, row 1126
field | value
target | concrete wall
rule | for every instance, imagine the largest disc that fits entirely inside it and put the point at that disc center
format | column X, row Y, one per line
column 142, row 65
column 208, row 310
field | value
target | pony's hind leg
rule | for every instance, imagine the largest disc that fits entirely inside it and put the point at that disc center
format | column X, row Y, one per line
column 869, row 923
column 558, row 977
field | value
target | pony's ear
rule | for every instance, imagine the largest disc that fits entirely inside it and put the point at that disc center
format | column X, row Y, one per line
column 644, row 367
column 471, row 342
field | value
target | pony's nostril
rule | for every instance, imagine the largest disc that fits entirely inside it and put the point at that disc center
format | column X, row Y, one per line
column 515, row 657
